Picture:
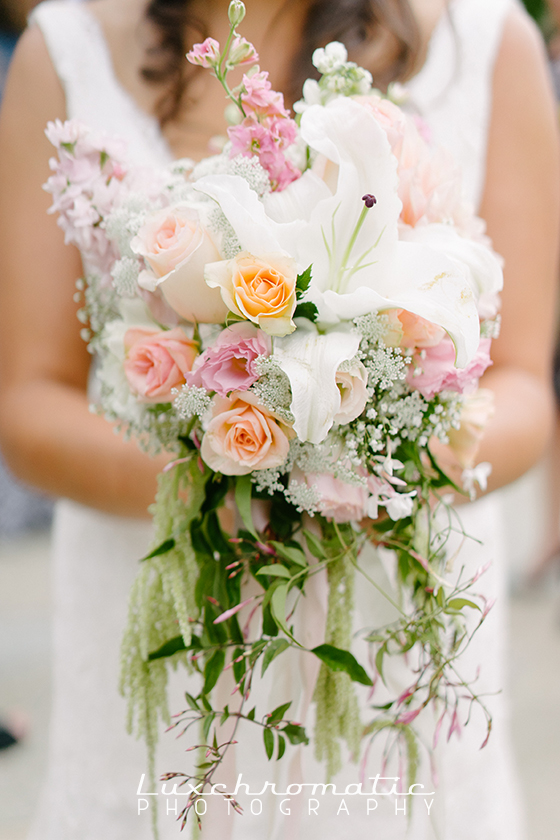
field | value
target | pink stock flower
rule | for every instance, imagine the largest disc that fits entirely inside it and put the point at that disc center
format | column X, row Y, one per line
column 266, row 140
column 260, row 98
column 433, row 370
column 242, row 52
column 157, row 362
column 205, row 55
column 229, row 365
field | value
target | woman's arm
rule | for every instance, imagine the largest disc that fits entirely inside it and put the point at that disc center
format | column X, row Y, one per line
column 521, row 208
column 49, row 437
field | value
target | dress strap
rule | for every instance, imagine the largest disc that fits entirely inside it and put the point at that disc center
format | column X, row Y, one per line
column 453, row 90
column 83, row 63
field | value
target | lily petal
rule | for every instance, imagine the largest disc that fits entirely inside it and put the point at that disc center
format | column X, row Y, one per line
column 426, row 282
column 310, row 361
column 257, row 233
column 483, row 263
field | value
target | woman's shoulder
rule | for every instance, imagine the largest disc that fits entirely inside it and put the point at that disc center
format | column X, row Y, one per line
column 521, row 74
column 33, row 86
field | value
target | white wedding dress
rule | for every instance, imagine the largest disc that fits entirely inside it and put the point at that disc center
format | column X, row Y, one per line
column 94, row 767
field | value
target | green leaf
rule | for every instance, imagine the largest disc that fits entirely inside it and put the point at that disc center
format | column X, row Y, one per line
column 212, row 670
column 308, row 310
column 459, row 603
column 162, row 548
column 281, row 747
column 251, row 715
column 314, row 545
column 290, row 553
column 273, row 650
column 342, row 660
column 303, row 281
column 278, row 610
column 379, row 662
column 208, row 720
column 205, row 703
column 279, row 712
column 168, row 648
column 192, row 702
column 239, row 667
column 268, row 739
column 225, row 715
column 276, row 571
column 443, row 479
column 295, row 734
column 243, row 491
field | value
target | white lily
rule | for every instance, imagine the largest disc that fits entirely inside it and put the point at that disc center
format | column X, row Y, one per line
column 359, row 264
column 311, row 360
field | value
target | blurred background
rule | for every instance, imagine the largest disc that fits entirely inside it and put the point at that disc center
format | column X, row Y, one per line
column 533, row 506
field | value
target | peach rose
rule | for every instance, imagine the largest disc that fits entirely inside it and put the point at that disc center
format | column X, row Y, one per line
column 352, row 384
column 243, row 436
column 261, row 289
column 416, row 331
column 465, row 441
column 157, row 361
column 176, row 248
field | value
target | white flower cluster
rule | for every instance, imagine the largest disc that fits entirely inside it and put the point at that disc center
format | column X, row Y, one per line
column 273, row 388
column 339, row 77
column 191, row 401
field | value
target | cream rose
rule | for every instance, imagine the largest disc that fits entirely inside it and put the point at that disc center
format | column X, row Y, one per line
column 176, row 247
column 352, row 384
column 242, row 437
column 261, row 289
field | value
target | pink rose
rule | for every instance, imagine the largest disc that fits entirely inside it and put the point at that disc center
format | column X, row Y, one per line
column 388, row 115
column 229, row 365
column 243, row 436
column 157, row 361
column 352, row 384
column 176, row 248
column 433, row 370
column 206, row 54
column 339, row 501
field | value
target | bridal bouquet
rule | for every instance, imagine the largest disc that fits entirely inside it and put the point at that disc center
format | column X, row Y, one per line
column 295, row 320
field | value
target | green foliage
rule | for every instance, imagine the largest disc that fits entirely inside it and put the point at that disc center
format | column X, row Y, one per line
column 342, row 660
column 337, row 713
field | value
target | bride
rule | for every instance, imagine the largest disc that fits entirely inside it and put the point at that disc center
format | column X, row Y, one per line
column 476, row 73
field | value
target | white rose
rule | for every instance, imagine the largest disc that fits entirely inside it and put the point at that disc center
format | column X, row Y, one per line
column 176, row 247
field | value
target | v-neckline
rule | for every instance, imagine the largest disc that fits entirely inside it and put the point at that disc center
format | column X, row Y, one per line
column 144, row 117
column 150, row 120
